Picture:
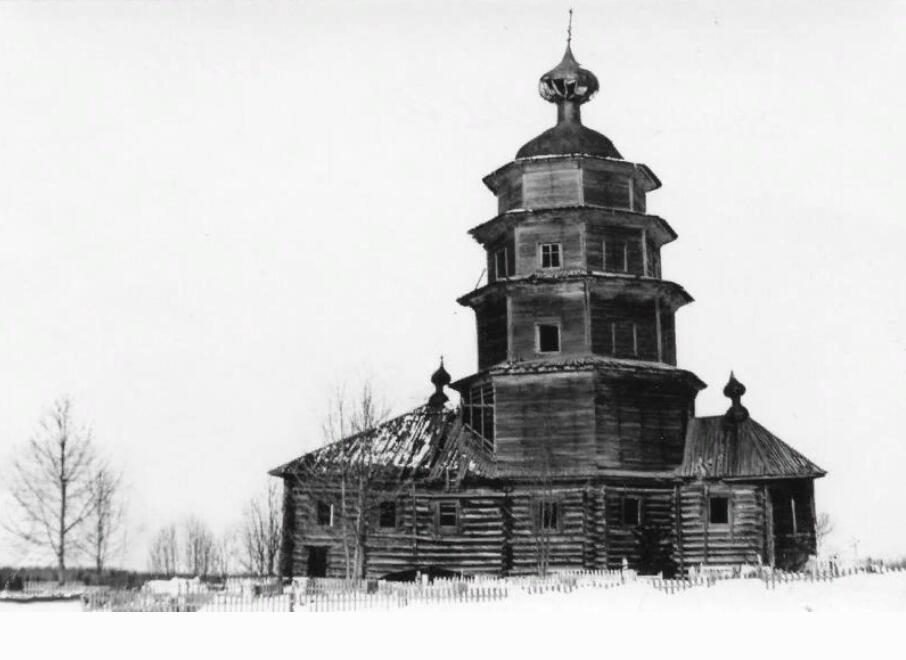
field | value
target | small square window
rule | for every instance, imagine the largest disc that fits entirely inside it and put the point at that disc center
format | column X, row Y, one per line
column 325, row 514
column 548, row 514
column 447, row 515
column 548, row 338
column 387, row 516
column 631, row 512
column 719, row 510
column 550, row 255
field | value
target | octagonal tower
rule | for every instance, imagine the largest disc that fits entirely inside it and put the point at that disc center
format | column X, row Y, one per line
column 576, row 337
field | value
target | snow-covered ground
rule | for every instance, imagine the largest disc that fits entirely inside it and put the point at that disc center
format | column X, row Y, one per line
column 859, row 592
column 865, row 592
column 11, row 607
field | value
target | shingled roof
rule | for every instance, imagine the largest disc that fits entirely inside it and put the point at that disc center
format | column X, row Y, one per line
column 426, row 442
column 716, row 448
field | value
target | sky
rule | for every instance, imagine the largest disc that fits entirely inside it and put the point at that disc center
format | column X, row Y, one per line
column 214, row 214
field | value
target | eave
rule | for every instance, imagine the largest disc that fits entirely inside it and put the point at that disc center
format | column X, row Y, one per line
column 611, row 284
column 638, row 170
column 659, row 229
column 608, row 366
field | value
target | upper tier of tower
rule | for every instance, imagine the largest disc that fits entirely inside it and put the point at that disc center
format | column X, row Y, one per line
column 570, row 164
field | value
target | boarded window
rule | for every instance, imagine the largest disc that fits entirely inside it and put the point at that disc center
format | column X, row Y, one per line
column 387, row 516
column 550, row 255
column 622, row 252
column 447, row 516
column 606, row 189
column 626, row 339
column 325, row 513
column 478, row 411
column 548, row 515
column 631, row 512
column 503, row 263
column 719, row 510
column 616, row 256
column 548, row 339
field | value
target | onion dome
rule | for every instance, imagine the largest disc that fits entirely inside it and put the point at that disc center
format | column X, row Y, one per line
column 568, row 86
column 440, row 379
column 568, row 81
column 734, row 390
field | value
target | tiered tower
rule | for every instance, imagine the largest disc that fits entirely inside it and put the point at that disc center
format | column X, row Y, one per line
column 576, row 336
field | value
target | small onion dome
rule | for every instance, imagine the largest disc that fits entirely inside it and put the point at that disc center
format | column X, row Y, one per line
column 440, row 379
column 568, row 81
column 569, row 86
column 734, row 390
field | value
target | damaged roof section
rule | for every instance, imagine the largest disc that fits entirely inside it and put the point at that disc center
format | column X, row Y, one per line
column 425, row 443
column 745, row 449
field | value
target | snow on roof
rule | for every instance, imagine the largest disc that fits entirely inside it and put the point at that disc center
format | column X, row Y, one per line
column 426, row 442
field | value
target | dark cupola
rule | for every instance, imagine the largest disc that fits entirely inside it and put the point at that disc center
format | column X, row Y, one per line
column 440, row 379
column 737, row 412
column 568, row 85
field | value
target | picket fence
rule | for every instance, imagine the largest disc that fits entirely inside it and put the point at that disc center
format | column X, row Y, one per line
column 770, row 577
column 335, row 595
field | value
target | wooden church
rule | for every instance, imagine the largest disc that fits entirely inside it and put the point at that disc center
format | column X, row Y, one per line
column 575, row 445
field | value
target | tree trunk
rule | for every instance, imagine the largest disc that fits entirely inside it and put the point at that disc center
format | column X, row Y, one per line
column 61, row 540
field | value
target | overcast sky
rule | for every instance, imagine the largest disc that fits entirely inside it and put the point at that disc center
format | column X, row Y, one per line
column 211, row 214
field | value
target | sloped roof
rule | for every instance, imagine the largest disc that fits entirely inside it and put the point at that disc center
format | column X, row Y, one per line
column 745, row 449
column 425, row 442
column 619, row 366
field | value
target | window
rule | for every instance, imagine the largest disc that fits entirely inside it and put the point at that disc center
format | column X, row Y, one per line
column 548, row 515
column 325, row 514
column 387, row 517
column 447, row 516
column 719, row 510
column 631, row 512
column 502, row 266
column 478, row 411
column 624, row 339
column 548, row 338
column 616, row 256
column 793, row 514
column 550, row 255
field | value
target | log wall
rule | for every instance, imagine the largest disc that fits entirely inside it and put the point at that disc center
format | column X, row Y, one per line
column 567, row 231
column 640, row 427
column 562, row 304
column 656, row 524
column 742, row 540
column 551, row 184
column 545, row 422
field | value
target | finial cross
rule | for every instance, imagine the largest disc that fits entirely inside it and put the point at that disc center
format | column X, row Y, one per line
column 569, row 28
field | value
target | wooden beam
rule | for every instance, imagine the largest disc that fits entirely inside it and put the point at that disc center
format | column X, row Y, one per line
column 645, row 253
column 769, row 525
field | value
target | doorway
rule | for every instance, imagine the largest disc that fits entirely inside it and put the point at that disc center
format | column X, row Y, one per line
column 317, row 561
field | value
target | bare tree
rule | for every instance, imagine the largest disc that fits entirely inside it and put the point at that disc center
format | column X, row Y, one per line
column 104, row 530
column 199, row 547
column 51, row 484
column 163, row 555
column 224, row 555
column 545, row 511
column 824, row 527
column 261, row 533
column 349, row 476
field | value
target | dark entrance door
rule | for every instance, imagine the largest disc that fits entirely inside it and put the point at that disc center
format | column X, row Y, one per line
column 317, row 561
